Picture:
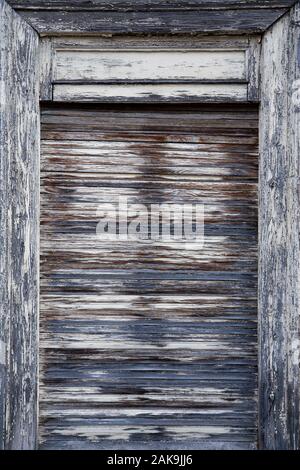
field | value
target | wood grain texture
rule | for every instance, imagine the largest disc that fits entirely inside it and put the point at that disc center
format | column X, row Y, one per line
column 197, row 65
column 133, row 69
column 140, row 5
column 19, row 196
column 243, row 21
column 185, row 42
column 279, row 236
column 146, row 346
column 253, row 57
column 151, row 92
column 46, row 53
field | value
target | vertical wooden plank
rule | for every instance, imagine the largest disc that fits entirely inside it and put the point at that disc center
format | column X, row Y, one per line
column 46, row 69
column 253, row 68
column 19, row 182
column 279, row 267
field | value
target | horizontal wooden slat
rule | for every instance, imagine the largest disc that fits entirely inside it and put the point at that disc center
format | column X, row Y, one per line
column 148, row 343
column 146, row 4
column 129, row 42
column 149, row 65
column 150, row 92
column 143, row 16
column 113, row 118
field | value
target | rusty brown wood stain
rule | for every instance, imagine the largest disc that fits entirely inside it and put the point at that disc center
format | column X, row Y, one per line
column 149, row 345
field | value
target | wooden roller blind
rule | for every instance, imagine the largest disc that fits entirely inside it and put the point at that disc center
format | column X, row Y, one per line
column 148, row 345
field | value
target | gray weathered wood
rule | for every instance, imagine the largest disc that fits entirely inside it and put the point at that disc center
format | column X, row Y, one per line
column 279, row 255
column 279, row 266
column 46, row 69
column 157, row 64
column 186, row 42
column 147, row 69
column 146, row 345
column 229, row 21
column 253, row 68
column 19, row 182
column 136, row 5
column 155, row 93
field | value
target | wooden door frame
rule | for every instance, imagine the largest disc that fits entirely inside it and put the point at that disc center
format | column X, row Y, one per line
column 279, row 229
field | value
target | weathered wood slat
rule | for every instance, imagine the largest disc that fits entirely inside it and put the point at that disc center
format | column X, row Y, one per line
column 89, row 66
column 85, row 93
column 279, row 265
column 46, row 69
column 71, row 119
column 185, row 42
column 217, row 136
column 253, row 69
column 232, row 21
column 143, row 344
column 136, row 5
column 68, row 283
column 19, row 201
column 70, row 443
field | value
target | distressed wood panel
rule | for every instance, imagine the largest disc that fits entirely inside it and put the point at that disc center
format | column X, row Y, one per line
column 154, row 69
column 150, row 92
column 19, row 196
column 279, row 236
column 149, row 65
column 146, row 4
column 150, row 345
column 144, row 16
column 243, row 21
